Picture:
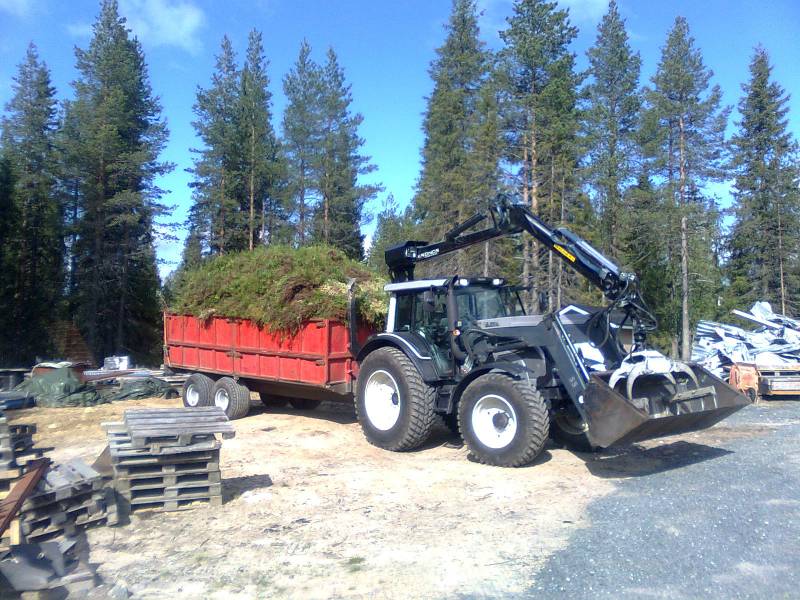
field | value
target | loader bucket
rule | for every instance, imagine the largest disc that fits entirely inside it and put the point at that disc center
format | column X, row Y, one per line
column 657, row 409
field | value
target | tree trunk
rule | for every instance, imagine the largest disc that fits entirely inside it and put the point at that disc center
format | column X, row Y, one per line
column 534, row 194
column 780, row 264
column 301, row 222
column 486, row 259
column 686, row 333
column 526, row 242
column 252, row 185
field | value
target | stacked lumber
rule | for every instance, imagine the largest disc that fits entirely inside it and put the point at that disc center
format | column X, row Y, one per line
column 70, row 497
column 168, row 459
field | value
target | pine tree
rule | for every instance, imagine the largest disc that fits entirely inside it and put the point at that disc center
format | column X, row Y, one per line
column 338, row 219
column 9, row 220
column 610, row 118
column 112, row 140
column 28, row 133
column 766, row 233
column 302, row 130
column 261, row 150
column 217, row 184
column 690, row 127
column 393, row 227
column 541, row 89
column 446, row 192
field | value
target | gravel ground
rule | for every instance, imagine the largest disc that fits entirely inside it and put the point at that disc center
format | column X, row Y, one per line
column 714, row 516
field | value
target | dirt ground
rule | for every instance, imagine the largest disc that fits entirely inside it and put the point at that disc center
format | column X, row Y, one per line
column 312, row 510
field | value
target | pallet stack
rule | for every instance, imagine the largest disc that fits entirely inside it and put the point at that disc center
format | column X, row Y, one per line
column 16, row 449
column 168, row 459
column 70, row 497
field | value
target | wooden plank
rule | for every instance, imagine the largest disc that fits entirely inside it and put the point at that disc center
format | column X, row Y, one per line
column 137, row 471
column 139, row 496
column 167, row 480
column 123, row 461
column 9, row 507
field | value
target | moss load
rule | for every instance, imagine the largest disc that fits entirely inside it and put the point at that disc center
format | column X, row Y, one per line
column 281, row 287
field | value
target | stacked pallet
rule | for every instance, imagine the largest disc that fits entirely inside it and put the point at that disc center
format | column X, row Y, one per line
column 168, row 459
column 70, row 497
column 16, row 449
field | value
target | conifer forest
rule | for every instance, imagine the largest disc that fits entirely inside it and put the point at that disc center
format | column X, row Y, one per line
column 631, row 164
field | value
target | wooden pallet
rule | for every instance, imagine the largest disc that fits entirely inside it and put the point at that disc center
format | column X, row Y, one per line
column 166, row 427
column 65, row 481
column 201, row 477
column 138, row 471
column 171, row 505
column 192, row 492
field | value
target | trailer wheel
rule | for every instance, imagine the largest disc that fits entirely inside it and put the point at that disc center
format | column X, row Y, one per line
column 232, row 397
column 394, row 406
column 568, row 429
column 304, row 403
column 504, row 421
column 273, row 400
column 197, row 391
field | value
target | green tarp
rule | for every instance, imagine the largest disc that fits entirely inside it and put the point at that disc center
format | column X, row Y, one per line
column 61, row 387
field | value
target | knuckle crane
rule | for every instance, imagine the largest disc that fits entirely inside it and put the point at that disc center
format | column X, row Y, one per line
column 463, row 350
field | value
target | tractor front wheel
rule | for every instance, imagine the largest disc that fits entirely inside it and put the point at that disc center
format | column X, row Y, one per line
column 503, row 421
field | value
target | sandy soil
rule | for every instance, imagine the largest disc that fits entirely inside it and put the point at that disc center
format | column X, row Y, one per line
column 312, row 510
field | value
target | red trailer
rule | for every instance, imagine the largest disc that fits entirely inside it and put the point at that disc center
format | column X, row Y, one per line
column 229, row 358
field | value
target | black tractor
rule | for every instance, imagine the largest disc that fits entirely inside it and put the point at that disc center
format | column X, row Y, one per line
column 464, row 350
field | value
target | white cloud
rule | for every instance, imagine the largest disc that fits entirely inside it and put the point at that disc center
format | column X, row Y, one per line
column 165, row 22
column 18, row 8
column 585, row 10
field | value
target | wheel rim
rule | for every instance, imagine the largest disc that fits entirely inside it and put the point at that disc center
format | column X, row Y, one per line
column 222, row 399
column 382, row 400
column 192, row 395
column 571, row 424
column 494, row 421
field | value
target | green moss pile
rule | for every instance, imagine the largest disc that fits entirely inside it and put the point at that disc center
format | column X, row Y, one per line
column 281, row 287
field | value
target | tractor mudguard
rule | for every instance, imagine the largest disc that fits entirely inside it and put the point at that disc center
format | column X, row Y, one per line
column 515, row 370
column 408, row 345
column 614, row 420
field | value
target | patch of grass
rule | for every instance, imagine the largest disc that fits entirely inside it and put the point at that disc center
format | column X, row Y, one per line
column 281, row 287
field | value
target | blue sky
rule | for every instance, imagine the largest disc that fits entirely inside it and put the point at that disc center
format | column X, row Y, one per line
column 385, row 47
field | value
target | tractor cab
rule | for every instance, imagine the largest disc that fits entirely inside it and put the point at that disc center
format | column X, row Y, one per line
column 439, row 310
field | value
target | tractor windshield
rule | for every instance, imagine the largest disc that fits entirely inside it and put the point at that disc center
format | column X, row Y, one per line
column 487, row 302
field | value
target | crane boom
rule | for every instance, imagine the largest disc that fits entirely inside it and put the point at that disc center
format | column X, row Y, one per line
column 507, row 218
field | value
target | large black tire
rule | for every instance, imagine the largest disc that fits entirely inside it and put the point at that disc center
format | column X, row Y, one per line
column 568, row 430
column 232, row 397
column 197, row 391
column 413, row 398
column 304, row 403
column 512, row 420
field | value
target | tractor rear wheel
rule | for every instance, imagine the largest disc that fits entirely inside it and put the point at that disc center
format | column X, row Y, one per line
column 503, row 421
column 394, row 406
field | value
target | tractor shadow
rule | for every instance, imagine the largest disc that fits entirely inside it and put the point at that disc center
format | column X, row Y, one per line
column 640, row 461
column 342, row 413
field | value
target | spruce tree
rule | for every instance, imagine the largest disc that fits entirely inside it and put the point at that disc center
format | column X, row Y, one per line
column 9, row 220
column 690, row 125
column 609, row 121
column 338, row 218
column 393, row 226
column 261, row 151
column 446, row 189
column 766, row 232
column 114, row 134
column 28, row 132
column 302, row 136
column 217, row 185
column 541, row 96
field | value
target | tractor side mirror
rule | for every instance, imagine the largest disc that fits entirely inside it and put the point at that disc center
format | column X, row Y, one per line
column 428, row 301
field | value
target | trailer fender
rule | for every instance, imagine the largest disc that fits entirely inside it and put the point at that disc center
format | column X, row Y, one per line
column 515, row 370
column 417, row 354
